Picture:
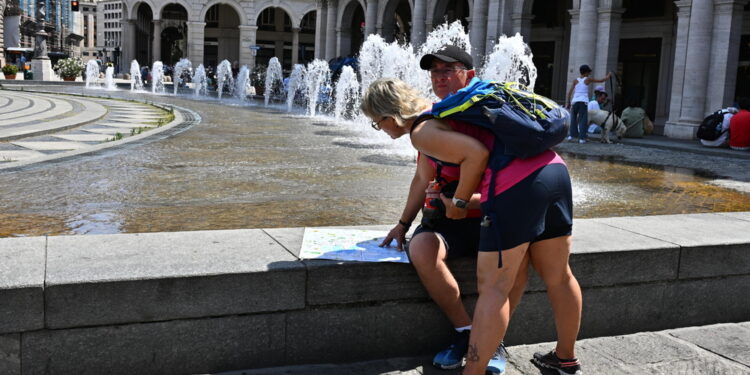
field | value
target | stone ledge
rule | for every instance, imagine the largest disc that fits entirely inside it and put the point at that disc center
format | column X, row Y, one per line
column 112, row 279
column 160, row 303
column 22, row 263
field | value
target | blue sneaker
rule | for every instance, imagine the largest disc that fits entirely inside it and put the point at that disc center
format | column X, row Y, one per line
column 453, row 357
column 497, row 363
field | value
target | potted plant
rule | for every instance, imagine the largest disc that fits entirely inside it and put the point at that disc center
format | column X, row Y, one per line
column 10, row 71
column 69, row 68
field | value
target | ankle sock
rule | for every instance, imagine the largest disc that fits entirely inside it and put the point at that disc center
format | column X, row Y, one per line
column 464, row 328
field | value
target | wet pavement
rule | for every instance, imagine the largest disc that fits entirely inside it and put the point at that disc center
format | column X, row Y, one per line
column 250, row 166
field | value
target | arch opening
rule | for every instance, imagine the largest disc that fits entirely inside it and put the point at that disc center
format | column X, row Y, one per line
column 221, row 36
column 174, row 33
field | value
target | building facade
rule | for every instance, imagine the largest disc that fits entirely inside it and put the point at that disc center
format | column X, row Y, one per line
column 681, row 59
column 108, row 18
column 88, row 27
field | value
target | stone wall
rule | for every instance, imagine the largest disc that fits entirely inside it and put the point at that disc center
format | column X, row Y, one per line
column 210, row 301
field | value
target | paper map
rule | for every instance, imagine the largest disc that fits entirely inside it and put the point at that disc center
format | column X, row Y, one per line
column 349, row 244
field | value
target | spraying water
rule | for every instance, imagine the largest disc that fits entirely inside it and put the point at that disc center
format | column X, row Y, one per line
column 200, row 84
column 224, row 77
column 510, row 61
column 296, row 85
column 109, row 78
column 157, row 78
column 136, row 82
column 182, row 69
column 318, row 85
column 347, row 95
column 274, row 80
column 243, row 80
column 92, row 74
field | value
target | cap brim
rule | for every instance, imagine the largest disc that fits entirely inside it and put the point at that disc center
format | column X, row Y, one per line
column 426, row 62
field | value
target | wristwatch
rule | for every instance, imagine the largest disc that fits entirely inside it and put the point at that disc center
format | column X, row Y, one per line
column 460, row 203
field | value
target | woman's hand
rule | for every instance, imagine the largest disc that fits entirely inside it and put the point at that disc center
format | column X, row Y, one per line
column 398, row 233
column 451, row 211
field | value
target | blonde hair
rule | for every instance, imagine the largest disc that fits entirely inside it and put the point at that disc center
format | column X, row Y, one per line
column 392, row 97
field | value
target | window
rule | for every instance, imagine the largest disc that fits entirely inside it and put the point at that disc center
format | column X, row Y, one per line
column 267, row 20
column 308, row 23
column 212, row 16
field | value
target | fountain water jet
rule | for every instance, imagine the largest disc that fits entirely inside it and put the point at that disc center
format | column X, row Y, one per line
column 318, row 85
column 224, row 78
column 274, row 80
column 92, row 73
column 136, row 82
column 183, row 67
column 347, row 95
column 157, row 78
column 109, row 79
column 200, row 84
column 243, row 80
column 510, row 61
column 296, row 85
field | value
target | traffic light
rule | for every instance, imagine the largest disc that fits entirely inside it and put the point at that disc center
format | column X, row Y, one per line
column 74, row 5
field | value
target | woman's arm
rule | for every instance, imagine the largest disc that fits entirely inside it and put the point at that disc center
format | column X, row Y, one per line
column 438, row 140
column 414, row 202
column 591, row 79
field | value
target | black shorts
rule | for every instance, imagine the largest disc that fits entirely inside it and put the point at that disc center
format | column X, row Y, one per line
column 460, row 237
column 537, row 208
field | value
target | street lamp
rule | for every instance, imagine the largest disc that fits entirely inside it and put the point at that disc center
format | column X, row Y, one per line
column 41, row 65
column 40, row 45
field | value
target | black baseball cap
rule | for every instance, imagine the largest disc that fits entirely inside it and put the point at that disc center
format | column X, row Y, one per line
column 584, row 69
column 447, row 54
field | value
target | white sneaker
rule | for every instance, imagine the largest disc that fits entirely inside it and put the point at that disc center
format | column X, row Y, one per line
column 568, row 138
column 581, row 141
column 497, row 363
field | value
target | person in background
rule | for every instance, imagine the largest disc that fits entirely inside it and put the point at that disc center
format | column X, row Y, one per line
column 739, row 126
column 598, row 103
column 635, row 119
column 577, row 100
column 723, row 140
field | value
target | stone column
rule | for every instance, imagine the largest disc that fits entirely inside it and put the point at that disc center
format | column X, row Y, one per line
column 417, row 23
column 331, row 24
column 697, row 60
column 196, row 35
column 128, row 45
column 478, row 31
column 572, row 71
column 248, row 36
column 156, row 47
column 585, row 45
column 91, row 24
column 672, row 126
column 724, row 53
column 295, row 45
column 320, row 29
column 371, row 17
column 493, row 25
column 608, row 40
column 522, row 25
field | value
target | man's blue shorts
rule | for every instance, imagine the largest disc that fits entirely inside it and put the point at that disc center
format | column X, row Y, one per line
column 537, row 208
column 460, row 237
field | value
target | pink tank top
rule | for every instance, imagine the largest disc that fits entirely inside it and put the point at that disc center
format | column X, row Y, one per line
column 517, row 170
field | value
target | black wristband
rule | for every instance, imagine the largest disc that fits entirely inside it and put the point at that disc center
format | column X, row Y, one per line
column 405, row 224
